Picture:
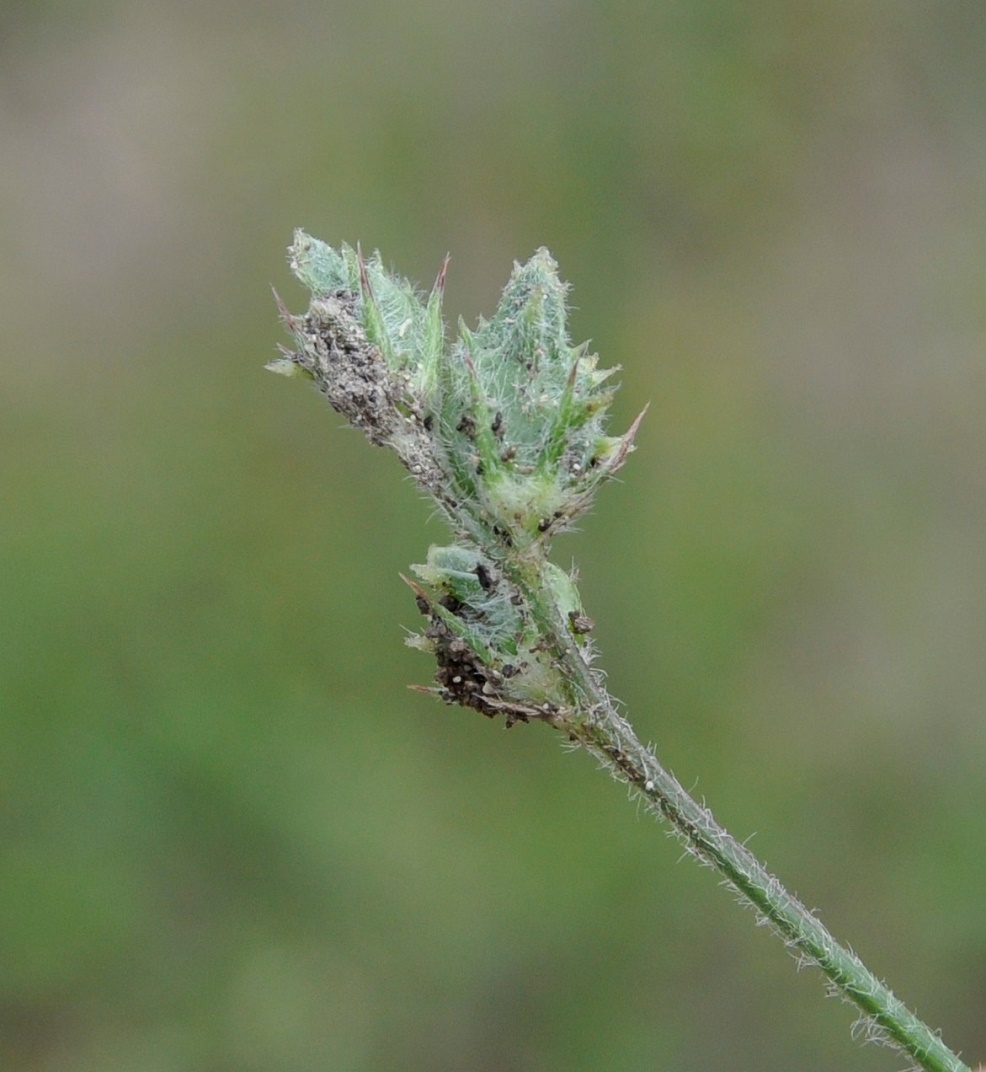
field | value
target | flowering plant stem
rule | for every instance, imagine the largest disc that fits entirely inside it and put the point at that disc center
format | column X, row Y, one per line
column 609, row 737
column 504, row 429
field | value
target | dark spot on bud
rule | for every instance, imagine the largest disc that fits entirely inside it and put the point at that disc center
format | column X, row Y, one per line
column 503, row 536
column 467, row 426
column 581, row 623
column 544, row 524
column 452, row 604
column 429, row 421
column 483, row 576
column 497, row 426
column 423, row 605
column 509, row 454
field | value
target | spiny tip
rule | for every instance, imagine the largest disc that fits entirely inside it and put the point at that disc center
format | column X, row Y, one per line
column 288, row 318
column 442, row 272
column 364, row 275
column 626, row 444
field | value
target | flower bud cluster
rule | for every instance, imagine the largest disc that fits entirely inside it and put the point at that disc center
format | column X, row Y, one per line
column 504, row 427
column 490, row 651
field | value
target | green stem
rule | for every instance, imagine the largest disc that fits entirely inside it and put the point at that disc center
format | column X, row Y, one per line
column 601, row 730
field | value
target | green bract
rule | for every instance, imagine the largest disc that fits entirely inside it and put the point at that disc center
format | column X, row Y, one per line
column 505, row 426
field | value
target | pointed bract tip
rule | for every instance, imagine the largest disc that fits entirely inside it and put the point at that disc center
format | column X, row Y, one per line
column 442, row 272
column 364, row 275
column 288, row 319
column 626, row 442
column 367, row 291
column 428, row 690
column 413, row 585
column 421, row 596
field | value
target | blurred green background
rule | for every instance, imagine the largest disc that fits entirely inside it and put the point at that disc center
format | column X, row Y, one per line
column 230, row 839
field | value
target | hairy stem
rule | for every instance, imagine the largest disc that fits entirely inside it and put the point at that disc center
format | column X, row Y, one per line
column 600, row 729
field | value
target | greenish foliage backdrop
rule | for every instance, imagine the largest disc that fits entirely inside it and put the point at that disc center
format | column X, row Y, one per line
column 230, row 840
